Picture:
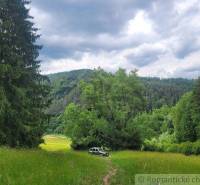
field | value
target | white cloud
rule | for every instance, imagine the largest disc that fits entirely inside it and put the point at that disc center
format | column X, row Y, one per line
column 140, row 24
column 169, row 66
column 110, row 61
column 160, row 38
column 146, row 47
column 183, row 6
column 42, row 19
column 57, row 40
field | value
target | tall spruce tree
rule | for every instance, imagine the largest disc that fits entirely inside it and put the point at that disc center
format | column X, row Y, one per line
column 23, row 90
column 196, row 107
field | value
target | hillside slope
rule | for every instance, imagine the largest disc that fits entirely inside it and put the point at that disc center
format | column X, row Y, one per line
column 159, row 92
column 64, row 88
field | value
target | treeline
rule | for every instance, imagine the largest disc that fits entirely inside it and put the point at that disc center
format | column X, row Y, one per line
column 113, row 111
column 158, row 92
column 161, row 92
column 23, row 91
column 183, row 134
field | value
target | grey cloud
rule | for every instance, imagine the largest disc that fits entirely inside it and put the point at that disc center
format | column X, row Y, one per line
column 192, row 69
column 90, row 17
column 94, row 26
column 187, row 74
column 187, row 48
column 87, row 20
column 142, row 60
column 146, row 56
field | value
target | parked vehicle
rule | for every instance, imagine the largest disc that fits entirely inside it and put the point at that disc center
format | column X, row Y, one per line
column 98, row 151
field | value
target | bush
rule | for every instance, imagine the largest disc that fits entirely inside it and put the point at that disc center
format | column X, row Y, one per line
column 149, row 145
column 187, row 148
column 160, row 144
column 196, row 148
column 86, row 130
column 174, row 148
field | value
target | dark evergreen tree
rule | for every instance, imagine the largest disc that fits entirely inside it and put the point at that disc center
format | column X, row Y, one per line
column 185, row 126
column 22, row 88
column 196, row 107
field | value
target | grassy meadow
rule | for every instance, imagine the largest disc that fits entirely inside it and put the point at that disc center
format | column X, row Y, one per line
column 56, row 164
column 130, row 163
column 55, row 143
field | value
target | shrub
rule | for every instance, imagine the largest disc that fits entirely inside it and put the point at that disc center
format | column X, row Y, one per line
column 86, row 130
column 174, row 148
column 166, row 143
column 196, row 148
column 160, row 144
column 150, row 145
column 186, row 148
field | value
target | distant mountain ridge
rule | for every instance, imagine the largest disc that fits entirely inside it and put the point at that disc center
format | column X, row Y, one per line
column 159, row 92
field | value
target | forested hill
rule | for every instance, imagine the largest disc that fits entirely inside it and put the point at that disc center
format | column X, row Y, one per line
column 64, row 82
column 159, row 92
column 64, row 88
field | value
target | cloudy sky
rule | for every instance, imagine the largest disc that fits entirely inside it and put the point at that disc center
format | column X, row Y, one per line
column 157, row 37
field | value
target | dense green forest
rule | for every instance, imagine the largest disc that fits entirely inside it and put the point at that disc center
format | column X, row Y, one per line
column 65, row 89
column 121, row 110
column 158, row 92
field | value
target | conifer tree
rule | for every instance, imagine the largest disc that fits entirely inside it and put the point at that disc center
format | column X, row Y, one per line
column 196, row 107
column 23, row 90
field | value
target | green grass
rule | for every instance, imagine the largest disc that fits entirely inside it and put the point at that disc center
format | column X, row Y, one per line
column 57, row 164
column 54, row 143
column 38, row 167
column 130, row 163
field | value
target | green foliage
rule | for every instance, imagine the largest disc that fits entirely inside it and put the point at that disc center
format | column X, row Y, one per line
column 54, row 125
column 161, row 144
column 119, row 101
column 115, row 97
column 65, row 89
column 185, row 148
column 154, row 123
column 169, row 145
column 158, row 92
column 107, row 103
column 196, row 148
column 83, row 127
column 185, row 127
column 23, row 90
column 161, row 92
column 187, row 117
column 196, row 108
